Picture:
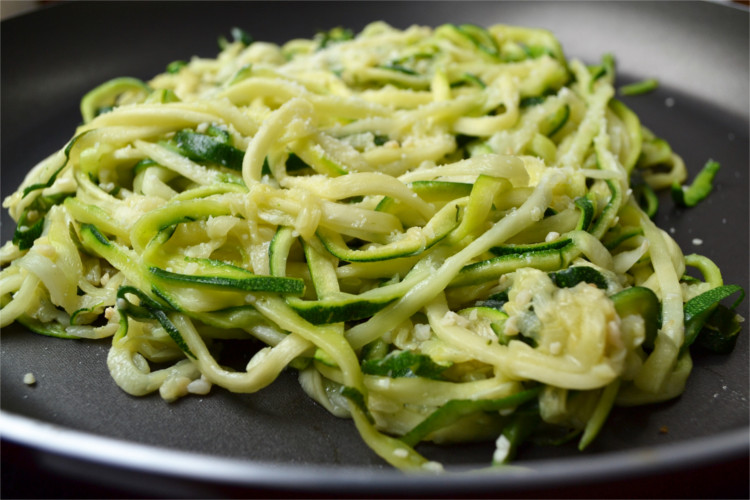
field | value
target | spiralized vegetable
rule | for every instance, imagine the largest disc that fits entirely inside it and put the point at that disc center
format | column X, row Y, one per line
column 434, row 227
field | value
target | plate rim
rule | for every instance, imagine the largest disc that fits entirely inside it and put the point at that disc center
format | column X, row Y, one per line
column 179, row 465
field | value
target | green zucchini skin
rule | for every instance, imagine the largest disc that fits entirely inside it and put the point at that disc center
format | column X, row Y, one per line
column 456, row 409
column 251, row 283
column 103, row 97
column 689, row 196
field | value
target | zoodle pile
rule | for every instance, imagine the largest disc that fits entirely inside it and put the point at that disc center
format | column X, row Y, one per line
column 439, row 229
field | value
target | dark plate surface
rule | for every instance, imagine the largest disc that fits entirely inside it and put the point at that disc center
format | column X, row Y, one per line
column 77, row 424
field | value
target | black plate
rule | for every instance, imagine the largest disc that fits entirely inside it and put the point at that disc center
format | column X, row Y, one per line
column 76, row 426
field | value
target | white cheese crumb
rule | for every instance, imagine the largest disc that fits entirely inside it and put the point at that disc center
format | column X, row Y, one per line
column 401, row 453
column 672, row 230
column 502, row 448
column 109, row 313
column 524, row 297
column 552, row 236
column 614, row 334
column 555, row 348
column 432, row 466
column 199, row 386
column 107, row 186
column 697, row 241
column 422, row 331
column 511, row 326
column 451, row 318
column 191, row 267
column 29, row 379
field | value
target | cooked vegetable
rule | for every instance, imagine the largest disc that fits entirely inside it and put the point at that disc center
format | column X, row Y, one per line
column 435, row 227
column 689, row 196
column 638, row 88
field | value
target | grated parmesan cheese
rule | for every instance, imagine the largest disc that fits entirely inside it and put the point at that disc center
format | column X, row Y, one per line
column 502, row 449
column 200, row 386
column 551, row 236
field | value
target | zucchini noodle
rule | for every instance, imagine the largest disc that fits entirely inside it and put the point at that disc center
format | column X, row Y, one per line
column 435, row 227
